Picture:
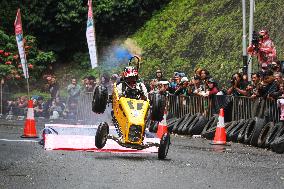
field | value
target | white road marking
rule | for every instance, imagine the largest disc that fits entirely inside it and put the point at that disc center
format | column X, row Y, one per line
column 9, row 140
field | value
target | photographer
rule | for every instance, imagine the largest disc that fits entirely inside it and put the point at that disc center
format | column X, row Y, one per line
column 183, row 87
column 262, row 47
column 238, row 87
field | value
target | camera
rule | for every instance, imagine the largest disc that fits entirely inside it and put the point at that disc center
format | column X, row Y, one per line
column 255, row 41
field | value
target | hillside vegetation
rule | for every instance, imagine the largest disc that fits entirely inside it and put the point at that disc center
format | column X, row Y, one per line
column 204, row 33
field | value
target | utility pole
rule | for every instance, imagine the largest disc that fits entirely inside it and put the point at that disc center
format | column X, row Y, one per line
column 251, row 28
column 245, row 57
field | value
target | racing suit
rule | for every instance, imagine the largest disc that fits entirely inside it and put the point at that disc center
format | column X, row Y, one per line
column 124, row 90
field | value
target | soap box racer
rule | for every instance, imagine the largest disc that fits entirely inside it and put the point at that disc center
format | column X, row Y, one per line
column 129, row 115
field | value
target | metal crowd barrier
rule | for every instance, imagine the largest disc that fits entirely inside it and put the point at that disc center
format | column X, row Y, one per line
column 236, row 108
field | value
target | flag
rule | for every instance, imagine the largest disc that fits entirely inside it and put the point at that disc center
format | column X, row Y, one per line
column 20, row 43
column 90, row 34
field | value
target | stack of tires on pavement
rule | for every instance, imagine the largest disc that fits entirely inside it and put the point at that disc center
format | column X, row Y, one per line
column 255, row 131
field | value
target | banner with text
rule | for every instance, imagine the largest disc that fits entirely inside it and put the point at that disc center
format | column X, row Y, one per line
column 91, row 39
column 20, row 43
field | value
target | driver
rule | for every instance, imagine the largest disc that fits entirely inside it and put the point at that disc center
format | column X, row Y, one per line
column 130, row 87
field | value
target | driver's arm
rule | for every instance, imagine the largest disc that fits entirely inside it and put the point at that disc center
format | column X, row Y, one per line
column 144, row 90
column 119, row 89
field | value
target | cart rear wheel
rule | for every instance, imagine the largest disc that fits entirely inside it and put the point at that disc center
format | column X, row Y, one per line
column 101, row 135
column 164, row 146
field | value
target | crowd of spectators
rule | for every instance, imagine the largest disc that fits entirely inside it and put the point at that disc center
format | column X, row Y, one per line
column 266, row 83
column 54, row 106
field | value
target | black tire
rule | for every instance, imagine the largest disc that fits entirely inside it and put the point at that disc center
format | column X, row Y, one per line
column 241, row 134
column 183, row 124
column 164, row 146
column 278, row 145
column 158, row 107
column 234, row 132
column 171, row 124
column 178, row 124
column 100, row 99
column 210, row 128
column 197, row 127
column 231, row 125
column 263, row 134
column 272, row 134
column 187, row 123
column 208, row 125
column 259, row 124
column 101, row 135
column 249, row 131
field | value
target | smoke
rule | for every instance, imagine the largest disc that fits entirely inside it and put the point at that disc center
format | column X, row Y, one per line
column 118, row 54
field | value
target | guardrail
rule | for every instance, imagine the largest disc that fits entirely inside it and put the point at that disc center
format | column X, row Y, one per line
column 236, row 108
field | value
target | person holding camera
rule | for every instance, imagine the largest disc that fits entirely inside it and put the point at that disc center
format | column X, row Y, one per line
column 262, row 47
column 183, row 87
column 268, row 87
column 238, row 87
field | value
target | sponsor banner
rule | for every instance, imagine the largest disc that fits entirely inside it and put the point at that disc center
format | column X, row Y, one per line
column 90, row 34
column 20, row 43
column 82, row 138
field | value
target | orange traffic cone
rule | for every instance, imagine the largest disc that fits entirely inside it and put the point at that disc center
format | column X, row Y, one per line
column 162, row 126
column 220, row 133
column 30, row 125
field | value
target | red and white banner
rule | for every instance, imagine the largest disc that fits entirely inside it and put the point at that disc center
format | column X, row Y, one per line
column 90, row 34
column 20, row 43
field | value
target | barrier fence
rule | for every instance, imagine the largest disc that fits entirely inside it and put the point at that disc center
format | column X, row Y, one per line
column 236, row 108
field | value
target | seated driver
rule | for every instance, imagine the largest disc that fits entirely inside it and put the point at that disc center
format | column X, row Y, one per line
column 130, row 87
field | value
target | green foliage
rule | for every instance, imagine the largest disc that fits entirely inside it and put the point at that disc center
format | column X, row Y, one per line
column 188, row 34
column 10, row 65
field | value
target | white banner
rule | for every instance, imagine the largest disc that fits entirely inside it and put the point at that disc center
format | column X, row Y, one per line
column 91, row 39
column 20, row 43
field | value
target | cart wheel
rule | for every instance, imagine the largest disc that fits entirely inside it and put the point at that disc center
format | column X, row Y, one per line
column 101, row 135
column 100, row 99
column 164, row 146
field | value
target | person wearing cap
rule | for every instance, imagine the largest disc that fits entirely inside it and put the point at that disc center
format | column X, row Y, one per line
column 265, row 50
column 183, row 87
column 212, row 87
column 159, row 75
column 268, row 87
column 175, row 83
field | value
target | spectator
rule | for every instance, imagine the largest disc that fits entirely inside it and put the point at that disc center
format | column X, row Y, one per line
column 85, row 84
column 212, row 87
column 159, row 75
column 264, row 68
column 92, row 84
column 275, row 66
column 163, row 87
column 39, row 107
column 278, row 77
column 264, row 49
column 268, row 88
column 183, row 87
column 73, row 91
column 252, row 88
column 55, row 110
column 174, row 84
column 53, row 88
column 238, row 87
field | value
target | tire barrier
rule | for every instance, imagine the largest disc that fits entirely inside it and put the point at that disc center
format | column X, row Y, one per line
column 249, row 131
column 259, row 125
column 233, row 132
column 278, row 145
column 272, row 134
column 197, row 125
column 263, row 134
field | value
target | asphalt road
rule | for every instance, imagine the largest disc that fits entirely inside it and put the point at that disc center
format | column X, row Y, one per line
column 191, row 163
